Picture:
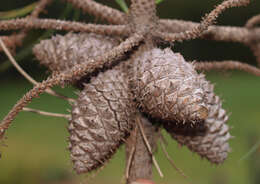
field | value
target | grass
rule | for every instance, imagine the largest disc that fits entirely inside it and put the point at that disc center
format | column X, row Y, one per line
column 36, row 151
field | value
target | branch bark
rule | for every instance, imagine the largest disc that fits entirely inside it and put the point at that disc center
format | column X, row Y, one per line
column 217, row 33
column 253, row 21
column 35, row 23
column 99, row 10
column 16, row 39
column 210, row 19
column 255, row 47
column 141, row 161
column 106, row 60
column 227, row 65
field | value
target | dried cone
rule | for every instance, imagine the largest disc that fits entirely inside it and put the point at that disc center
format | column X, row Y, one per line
column 166, row 87
column 212, row 144
column 101, row 120
column 63, row 52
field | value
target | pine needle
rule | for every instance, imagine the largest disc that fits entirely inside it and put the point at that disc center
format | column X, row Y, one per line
column 20, row 12
column 250, row 152
column 122, row 5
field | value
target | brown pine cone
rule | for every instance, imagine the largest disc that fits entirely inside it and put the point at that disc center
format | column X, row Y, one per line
column 101, row 120
column 212, row 143
column 63, row 52
column 166, row 87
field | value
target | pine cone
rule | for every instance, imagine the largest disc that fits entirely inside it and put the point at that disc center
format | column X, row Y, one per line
column 101, row 120
column 63, row 52
column 212, row 143
column 166, row 87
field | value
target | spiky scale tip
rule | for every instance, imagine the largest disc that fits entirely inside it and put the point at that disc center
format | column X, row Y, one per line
column 101, row 120
column 63, row 52
column 211, row 144
column 166, row 87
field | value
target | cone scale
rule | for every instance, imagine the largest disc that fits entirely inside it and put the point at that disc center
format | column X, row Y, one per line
column 102, row 118
column 166, row 87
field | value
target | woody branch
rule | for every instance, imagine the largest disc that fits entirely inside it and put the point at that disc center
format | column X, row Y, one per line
column 16, row 39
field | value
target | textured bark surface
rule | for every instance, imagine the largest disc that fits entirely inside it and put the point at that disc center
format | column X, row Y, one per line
column 166, row 87
column 212, row 143
column 101, row 11
column 143, row 15
column 141, row 164
column 61, row 53
column 101, row 120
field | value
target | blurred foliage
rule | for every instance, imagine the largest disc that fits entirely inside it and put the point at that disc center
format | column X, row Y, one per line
column 36, row 145
column 20, row 12
column 122, row 5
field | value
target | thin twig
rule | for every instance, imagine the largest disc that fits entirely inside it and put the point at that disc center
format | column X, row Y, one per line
column 94, row 174
column 252, row 22
column 27, row 76
column 110, row 58
column 205, row 23
column 255, row 47
column 217, row 33
column 39, row 8
column 12, row 60
column 149, row 147
column 252, row 150
column 129, row 161
column 16, row 39
column 35, row 23
column 44, row 113
column 99, row 10
column 162, row 138
column 170, row 159
column 227, row 65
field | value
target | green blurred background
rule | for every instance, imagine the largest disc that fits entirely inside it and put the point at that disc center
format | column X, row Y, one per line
column 36, row 151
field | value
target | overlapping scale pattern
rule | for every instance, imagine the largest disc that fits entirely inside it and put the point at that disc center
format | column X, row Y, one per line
column 212, row 143
column 101, row 120
column 166, row 87
column 63, row 52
